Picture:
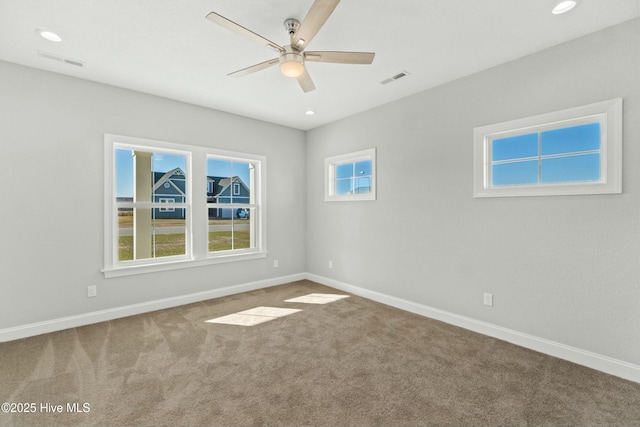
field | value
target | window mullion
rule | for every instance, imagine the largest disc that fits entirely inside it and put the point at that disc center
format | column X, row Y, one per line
column 199, row 212
column 539, row 157
column 353, row 178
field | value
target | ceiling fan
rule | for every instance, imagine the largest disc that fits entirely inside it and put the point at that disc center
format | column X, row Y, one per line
column 292, row 57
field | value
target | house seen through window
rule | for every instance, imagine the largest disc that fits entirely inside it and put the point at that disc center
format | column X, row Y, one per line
column 146, row 182
column 229, row 204
column 153, row 219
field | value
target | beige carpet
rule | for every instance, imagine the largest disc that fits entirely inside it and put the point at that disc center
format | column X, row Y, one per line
column 352, row 362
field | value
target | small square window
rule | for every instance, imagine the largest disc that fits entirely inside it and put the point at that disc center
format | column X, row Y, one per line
column 351, row 176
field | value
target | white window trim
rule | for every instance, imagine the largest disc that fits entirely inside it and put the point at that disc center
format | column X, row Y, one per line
column 330, row 164
column 256, row 205
column 609, row 113
column 197, row 224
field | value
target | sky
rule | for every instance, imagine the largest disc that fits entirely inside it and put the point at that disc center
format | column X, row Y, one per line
column 570, row 154
column 163, row 162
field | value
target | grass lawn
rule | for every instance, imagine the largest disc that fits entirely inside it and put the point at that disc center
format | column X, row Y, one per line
column 126, row 221
column 221, row 240
column 166, row 245
column 174, row 244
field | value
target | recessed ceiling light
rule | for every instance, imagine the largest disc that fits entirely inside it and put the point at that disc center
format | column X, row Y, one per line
column 310, row 112
column 564, row 6
column 49, row 35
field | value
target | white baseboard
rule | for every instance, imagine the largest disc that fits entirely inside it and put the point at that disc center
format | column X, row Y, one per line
column 586, row 358
column 32, row 329
column 589, row 359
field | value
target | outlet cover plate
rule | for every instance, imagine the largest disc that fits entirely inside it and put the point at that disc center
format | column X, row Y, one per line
column 488, row 299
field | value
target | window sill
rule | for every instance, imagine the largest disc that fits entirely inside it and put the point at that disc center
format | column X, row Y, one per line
column 350, row 198
column 570, row 189
column 175, row 265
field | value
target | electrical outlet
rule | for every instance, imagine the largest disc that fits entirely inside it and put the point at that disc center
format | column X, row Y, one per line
column 330, row 264
column 275, row 263
column 488, row 299
column 92, row 291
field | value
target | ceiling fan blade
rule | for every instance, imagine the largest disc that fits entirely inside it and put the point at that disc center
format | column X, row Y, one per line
column 305, row 82
column 315, row 19
column 254, row 68
column 239, row 29
column 340, row 57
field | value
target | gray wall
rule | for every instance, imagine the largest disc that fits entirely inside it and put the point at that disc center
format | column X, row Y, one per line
column 560, row 268
column 52, row 129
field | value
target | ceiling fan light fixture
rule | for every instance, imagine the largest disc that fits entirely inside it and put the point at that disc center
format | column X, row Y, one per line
column 292, row 64
column 564, row 6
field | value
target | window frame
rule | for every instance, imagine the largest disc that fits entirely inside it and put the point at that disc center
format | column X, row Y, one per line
column 196, row 213
column 254, row 206
column 330, row 165
column 607, row 113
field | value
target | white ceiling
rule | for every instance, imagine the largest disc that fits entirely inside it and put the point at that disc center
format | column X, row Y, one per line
column 168, row 48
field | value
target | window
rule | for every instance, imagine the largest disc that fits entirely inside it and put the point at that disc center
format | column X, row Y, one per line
column 574, row 151
column 351, row 176
column 233, row 208
column 154, row 223
column 165, row 200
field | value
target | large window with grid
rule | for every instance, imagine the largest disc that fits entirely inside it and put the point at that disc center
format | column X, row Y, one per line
column 575, row 151
column 153, row 220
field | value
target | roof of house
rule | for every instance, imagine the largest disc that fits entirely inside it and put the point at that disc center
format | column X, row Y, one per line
column 223, row 182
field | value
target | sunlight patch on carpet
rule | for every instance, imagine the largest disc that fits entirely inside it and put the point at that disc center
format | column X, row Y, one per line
column 254, row 316
column 317, row 298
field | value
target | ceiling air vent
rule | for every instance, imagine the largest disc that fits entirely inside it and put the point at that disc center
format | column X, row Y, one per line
column 400, row 75
column 74, row 62
column 61, row 59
